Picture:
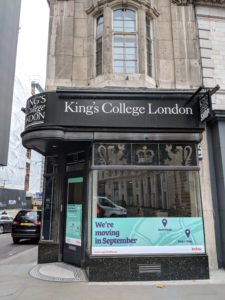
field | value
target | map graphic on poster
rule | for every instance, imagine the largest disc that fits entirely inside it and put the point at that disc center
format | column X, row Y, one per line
column 73, row 224
column 147, row 235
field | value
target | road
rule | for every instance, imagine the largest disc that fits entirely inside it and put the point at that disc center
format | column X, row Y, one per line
column 8, row 249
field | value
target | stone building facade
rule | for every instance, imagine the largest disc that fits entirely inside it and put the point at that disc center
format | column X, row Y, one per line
column 105, row 57
column 72, row 45
column 211, row 30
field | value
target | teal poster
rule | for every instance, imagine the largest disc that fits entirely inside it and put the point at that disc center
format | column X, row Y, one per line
column 147, row 235
column 73, row 224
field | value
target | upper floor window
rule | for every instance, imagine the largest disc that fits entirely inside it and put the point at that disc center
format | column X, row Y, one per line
column 148, row 46
column 124, row 41
column 99, row 34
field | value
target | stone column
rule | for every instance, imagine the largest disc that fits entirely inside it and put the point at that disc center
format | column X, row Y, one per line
column 207, row 206
column 141, row 51
column 107, row 41
column 163, row 46
column 185, row 47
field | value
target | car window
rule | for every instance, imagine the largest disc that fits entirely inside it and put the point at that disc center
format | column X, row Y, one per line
column 31, row 216
column 105, row 202
column 4, row 218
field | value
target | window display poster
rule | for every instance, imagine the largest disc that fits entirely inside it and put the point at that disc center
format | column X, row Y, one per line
column 170, row 235
column 73, row 224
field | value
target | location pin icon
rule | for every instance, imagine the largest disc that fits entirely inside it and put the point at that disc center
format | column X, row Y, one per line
column 164, row 221
column 188, row 232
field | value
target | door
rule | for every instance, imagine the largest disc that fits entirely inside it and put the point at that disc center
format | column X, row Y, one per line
column 73, row 221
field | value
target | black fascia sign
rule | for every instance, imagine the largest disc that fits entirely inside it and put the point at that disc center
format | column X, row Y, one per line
column 119, row 111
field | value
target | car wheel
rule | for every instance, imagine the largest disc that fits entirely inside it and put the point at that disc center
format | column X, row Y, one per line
column 1, row 229
column 16, row 240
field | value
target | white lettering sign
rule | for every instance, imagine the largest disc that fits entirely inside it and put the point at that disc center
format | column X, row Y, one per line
column 123, row 108
column 35, row 110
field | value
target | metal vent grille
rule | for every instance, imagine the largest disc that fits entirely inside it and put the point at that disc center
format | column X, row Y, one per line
column 149, row 269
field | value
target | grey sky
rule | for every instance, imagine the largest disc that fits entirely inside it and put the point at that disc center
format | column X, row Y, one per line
column 32, row 42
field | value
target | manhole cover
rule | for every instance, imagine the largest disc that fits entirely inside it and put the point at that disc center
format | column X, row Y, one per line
column 59, row 272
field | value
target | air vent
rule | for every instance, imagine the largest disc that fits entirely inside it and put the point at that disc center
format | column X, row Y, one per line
column 149, row 269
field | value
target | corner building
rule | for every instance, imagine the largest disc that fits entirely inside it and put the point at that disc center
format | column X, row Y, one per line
column 119, row 126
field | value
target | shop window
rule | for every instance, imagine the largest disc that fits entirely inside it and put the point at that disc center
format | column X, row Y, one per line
column 99, row 35
column 177, row 200
column 124, row 41
column 158, row 210
column 153, row 221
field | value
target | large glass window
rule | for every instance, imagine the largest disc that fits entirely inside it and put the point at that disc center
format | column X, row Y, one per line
column 124, row 41
column 146, row 193
column 99, row 34
column 146, row 199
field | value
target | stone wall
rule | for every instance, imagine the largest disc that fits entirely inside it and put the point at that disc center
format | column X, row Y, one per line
column 71, row 53
column 211, row 31
column 211, row 27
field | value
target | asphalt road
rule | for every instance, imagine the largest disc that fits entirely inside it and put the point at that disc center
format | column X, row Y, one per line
column 9, row 249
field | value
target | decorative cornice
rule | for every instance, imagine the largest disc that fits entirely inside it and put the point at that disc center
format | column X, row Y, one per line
column 182, row 2
column 219, row 3
column 98, row 7
column 202, row 2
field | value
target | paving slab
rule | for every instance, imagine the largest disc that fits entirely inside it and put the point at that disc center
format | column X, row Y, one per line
column 16, row 283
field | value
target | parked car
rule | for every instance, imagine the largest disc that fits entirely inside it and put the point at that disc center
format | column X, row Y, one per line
column 106, row 208
column 26, row 225
column 5, row 223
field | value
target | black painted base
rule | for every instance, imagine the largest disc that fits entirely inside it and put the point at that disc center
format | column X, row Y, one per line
column 148, row 268
column 48, row 252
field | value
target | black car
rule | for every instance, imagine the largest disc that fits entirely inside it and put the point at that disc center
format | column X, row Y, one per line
column 26, row 225
column 5, row 223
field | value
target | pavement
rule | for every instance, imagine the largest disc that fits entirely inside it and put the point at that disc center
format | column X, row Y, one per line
column 22, row 278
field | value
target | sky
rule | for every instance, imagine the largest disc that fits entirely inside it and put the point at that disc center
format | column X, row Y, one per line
column 32, row 41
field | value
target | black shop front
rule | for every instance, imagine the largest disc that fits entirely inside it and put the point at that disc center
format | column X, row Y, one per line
column 122, row 197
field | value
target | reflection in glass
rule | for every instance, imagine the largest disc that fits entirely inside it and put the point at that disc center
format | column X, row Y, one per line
column 118, row 14
column 124, row 43
column 99, row 26
column 124, row 20
column 118, row 25
column 49, row 231
column 145, row 193
column 149, row 46
column 99, row 35
column 118, row 42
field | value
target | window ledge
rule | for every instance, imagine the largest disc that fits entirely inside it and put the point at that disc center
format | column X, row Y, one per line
column 122, row 80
